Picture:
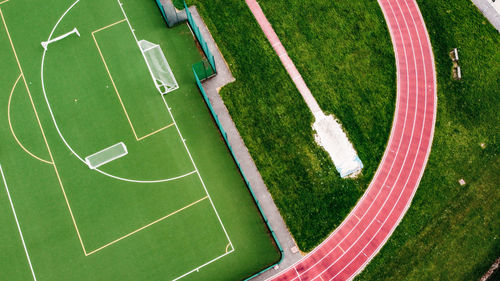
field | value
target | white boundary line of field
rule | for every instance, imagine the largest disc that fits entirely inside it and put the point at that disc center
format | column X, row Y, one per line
column 189, row 153
column 137, row 181
column 202, row 183
column 203, row 265
column 17, row 223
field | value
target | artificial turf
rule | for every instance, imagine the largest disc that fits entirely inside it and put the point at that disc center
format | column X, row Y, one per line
column 127, row 230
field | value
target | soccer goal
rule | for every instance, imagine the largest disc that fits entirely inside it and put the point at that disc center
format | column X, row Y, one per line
column 106, row 155
column 158, row 67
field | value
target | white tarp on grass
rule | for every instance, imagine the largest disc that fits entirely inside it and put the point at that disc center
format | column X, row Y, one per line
column 332, row 138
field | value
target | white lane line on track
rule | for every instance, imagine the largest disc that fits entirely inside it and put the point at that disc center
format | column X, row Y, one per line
column 413, row 49
column 379, row 168
column 375, row 179
column 394, row 127
column 415, row 27
column 428, row 86
column 387, row 202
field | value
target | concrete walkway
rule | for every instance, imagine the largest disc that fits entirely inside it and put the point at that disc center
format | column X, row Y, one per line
column 212, row 87
column 491, row 10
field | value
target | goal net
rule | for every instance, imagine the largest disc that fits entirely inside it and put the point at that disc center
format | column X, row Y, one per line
column 158, row 67
column 106, row 155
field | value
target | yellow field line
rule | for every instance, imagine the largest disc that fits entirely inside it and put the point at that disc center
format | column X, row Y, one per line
column 155, row 132
column 4, row 2
column 146, row 226
column 116, row 89
column 43, row 133
column 227, row 247
column 12, row 130
column 111, row 78
column 108, row 26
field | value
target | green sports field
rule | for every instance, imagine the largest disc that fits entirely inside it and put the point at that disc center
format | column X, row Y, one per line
column 160, row 198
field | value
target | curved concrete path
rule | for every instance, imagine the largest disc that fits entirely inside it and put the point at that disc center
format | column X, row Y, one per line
column 366, row 229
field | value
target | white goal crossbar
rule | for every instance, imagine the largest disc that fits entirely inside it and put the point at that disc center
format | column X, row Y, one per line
column 106, row 155
column 158, row 67
column 46, row 43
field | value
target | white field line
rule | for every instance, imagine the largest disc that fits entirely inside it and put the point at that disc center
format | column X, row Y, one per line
column 59, row 131
column 197, row 171
column 119, row 178
column 378, row 193
column 207, row 263
column 414, row 160
column 17, row 223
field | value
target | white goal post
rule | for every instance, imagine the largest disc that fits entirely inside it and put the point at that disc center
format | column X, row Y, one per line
column 46, row 43
column 158, row 67
column 106, row 155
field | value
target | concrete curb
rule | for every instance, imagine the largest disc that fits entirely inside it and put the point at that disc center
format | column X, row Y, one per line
column 487, row 9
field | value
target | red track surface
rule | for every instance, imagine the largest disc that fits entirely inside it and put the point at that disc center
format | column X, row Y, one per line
column 366, row 229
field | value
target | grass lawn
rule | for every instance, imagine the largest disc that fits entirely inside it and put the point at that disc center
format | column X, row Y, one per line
column 349, row 66
column 453, row 232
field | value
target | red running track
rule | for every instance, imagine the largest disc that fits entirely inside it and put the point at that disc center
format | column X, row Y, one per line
column 366, row 229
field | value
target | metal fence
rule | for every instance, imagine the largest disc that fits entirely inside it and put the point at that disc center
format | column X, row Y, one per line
column 224, row 135
column 200, row 39
column 170, row 13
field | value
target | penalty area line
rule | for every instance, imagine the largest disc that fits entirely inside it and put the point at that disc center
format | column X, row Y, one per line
column 146, row 226
column 17, row 223
column 155, row 132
